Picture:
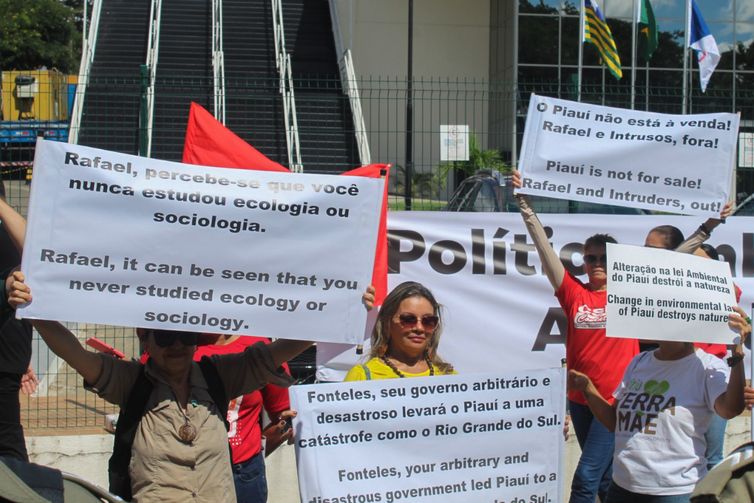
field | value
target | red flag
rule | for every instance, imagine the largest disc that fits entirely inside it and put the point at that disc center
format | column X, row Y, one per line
column 210, row 143
column 379, row 273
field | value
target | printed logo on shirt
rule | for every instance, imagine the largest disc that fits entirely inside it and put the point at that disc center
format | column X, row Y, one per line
column 589, row 318
column 234, row 435
column 639, row 408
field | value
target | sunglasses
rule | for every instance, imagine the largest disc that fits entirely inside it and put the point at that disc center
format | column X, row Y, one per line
column 428, row 321
column 594, row 259
column 166, row 338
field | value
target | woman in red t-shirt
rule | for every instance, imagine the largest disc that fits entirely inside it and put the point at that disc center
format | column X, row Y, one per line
column 588, row 350
column 244, row 417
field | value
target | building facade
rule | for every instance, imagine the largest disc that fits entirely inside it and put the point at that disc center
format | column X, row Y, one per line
column 476, row 62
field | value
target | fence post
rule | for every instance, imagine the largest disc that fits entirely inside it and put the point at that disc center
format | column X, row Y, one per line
column 143, row 111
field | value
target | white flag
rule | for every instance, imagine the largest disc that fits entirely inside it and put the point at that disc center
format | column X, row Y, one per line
column 702, row 41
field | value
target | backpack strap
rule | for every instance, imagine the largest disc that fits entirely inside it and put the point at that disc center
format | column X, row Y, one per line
column 128, row 421
column 367, row 372
column 216, row 388
column 130, row 417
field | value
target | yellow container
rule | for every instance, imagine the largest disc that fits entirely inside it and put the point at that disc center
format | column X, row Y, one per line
column 40, row 95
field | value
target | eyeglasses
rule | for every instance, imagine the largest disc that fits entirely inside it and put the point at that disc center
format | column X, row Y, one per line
column 594, row 259
column 428, row 321
column 166, row 338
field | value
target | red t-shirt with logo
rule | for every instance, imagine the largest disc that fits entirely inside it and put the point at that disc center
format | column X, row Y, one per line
column 588, row 350
column 245, row 433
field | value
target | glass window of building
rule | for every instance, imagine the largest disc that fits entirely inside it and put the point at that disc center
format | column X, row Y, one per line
column 538, row 40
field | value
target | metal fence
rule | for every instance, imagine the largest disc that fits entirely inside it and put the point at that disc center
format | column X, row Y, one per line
column 60, row 402
column 493, row 111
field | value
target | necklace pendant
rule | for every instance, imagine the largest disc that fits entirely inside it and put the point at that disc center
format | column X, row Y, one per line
column 187, row 432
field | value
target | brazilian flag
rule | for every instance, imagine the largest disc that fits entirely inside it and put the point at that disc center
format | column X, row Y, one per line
column 647, row 30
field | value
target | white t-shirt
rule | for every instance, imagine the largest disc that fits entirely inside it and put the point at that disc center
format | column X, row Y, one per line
column 663, row 410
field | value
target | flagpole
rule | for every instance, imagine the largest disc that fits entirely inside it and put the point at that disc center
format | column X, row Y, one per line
column 581, row 51
column 687, row 38
column 637, row 6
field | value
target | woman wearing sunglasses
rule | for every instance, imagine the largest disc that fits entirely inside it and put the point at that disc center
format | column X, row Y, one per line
column 180, row 448
column 405, row 337
column 588, row 350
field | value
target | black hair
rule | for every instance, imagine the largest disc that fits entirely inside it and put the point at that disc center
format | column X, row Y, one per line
column 671, row 234
column 599, row 240
column 381, row 330
column 710, row 251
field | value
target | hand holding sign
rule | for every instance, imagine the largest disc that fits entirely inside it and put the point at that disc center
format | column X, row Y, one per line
column 672, row 163
column 668, row 296
column 131, row 241
column 740, row 323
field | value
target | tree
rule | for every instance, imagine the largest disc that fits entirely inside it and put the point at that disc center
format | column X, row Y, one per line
column 479, row 159
column 423, row 184
column 39, row 33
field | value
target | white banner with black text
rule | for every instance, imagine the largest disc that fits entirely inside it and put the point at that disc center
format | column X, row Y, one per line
column 126, row 240
column 499, row 311
column 480, row 437
column 583, row 152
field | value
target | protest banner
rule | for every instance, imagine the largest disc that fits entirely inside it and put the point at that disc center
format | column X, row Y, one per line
column 672, row 163
column 126, row 240
column 481, row 437
column 663, row 295
column 498, row 308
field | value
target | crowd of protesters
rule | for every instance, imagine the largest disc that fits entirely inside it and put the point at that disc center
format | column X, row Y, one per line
column 618, row 462
column 191, row 394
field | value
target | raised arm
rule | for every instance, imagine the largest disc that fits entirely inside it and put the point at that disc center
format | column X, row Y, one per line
column 731, row 402
column 702, row 233
column 600, row 407
column 14, row 223
column 58, row 338
column 283, row 350
column 551, row 263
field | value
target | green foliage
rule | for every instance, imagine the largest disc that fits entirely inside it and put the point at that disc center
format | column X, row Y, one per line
column 479, row 159
column 423, row 184
column 425, row 191
column 39, row 33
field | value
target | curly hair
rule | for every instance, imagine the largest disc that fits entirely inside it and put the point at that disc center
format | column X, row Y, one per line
column 381, row 332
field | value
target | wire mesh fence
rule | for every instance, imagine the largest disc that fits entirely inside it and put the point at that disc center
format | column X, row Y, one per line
column 494, row 113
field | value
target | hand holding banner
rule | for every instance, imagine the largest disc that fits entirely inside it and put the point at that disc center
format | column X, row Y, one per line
column 663, row 295
column 127, row 240
column 671, row 163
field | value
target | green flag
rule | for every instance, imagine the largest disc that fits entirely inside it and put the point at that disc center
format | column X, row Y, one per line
column 647, row 29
